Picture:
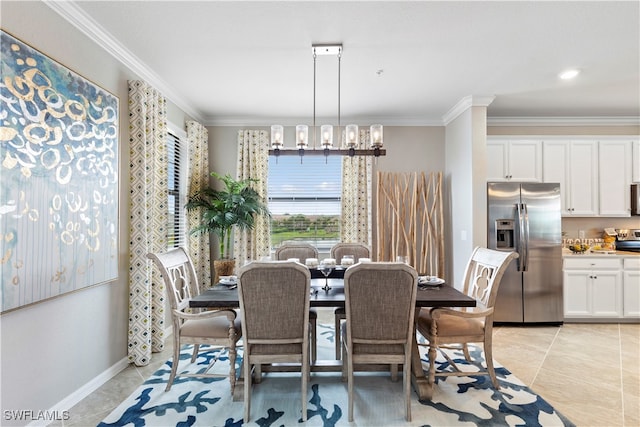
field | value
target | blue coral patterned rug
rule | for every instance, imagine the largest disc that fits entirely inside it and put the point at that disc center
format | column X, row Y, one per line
column 378, row 401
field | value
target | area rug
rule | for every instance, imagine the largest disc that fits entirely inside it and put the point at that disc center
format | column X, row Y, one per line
column 469, row 401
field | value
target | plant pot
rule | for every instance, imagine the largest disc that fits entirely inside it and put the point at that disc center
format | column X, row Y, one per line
column 223, row 267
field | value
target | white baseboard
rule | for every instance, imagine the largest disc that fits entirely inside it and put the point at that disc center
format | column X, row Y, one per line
column 60, row 410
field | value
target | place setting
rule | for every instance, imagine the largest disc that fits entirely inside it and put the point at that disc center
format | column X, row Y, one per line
column 429, row 282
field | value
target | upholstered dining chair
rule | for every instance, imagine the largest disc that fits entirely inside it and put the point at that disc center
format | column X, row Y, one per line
column 380, row 306
column 302, row 251
column 274, row 305
column 212, row 328
column 358, row 250
column 457, row 327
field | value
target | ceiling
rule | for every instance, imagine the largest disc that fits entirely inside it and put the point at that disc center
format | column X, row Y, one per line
column 403, row 62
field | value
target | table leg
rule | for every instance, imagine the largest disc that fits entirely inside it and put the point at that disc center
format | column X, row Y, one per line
column 421, row 383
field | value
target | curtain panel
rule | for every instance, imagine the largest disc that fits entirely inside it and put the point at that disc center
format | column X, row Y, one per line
column 253, row 163
column 148, row 219
column 198, row 247
column 356, row 196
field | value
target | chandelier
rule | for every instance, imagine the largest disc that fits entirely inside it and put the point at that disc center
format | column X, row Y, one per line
column 351, row 134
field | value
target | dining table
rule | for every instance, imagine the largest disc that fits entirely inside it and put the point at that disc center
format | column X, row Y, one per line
column 330, row 293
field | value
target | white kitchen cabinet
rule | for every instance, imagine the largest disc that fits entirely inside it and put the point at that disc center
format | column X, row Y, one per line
column 636, row 160
column 615, row 176
column 514, row 160
column 631, row 287
column 574, row 164
column 592, row 288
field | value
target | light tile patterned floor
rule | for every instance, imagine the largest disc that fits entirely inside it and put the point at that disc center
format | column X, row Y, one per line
column 588, row 372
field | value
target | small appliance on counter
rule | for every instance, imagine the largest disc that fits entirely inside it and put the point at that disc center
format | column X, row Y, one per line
column 628, row 240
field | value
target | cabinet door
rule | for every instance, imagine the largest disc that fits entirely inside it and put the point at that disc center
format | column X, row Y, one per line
column 497, row 161
column 577, row 295
column 606, row 293
column 525, row 160
column 636, row 160
column 614, row 166
column 555, row 168
column 631, row 285
column 583, row 178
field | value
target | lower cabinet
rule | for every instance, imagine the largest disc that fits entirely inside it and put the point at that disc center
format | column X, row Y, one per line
column 631, row 282
column 593, row 288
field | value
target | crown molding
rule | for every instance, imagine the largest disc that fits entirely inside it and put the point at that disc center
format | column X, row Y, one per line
column 466, row 103
column 564, row 121
column 83, row 22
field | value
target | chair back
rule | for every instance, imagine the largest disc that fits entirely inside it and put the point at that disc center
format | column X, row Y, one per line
column 484, row 272
column 274, row 301
column 179, row 276
column 380, row 304
column 302, row 251
column 358, row 250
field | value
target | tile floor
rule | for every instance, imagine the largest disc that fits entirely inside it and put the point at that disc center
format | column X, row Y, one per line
column 588, row 372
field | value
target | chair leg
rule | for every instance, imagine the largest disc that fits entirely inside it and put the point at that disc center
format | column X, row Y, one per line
column 394, row 372
column 488, row 354
column 232, row 367
column 174, row 364
column 406, row 382
column 350, row 385
column 247, row 386
column 196, row 348
column 337, row 336
column 314, row 342
column 432, row 367
column 305, row 382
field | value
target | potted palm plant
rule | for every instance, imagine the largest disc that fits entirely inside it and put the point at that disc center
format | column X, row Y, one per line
column 237, row 204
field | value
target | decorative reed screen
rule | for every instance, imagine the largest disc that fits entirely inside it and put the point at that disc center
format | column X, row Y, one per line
column 410, row 220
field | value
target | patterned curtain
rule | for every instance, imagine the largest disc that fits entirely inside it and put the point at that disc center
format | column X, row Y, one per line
column 356, row 196
column 148, row 221
column 253, row 162
column 198, row 247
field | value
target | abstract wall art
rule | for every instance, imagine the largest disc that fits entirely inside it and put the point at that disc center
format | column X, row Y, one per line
column 58, row 178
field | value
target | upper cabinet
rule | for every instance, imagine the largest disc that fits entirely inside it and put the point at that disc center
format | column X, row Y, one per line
column 615, row 176
column 635, row 152
column 595, row 173
column 514, row 160
column 574, row 164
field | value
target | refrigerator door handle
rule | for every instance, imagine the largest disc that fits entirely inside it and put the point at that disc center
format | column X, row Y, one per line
column 520, row 243
column 525, row 263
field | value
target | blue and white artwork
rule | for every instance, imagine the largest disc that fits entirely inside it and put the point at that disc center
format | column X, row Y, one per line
column 58, row 178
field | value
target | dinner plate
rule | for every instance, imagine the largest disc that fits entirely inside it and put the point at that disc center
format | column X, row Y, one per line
column 228, row 280
column 430, row 281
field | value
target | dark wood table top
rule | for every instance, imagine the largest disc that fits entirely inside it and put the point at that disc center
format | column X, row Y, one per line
column 222, row 296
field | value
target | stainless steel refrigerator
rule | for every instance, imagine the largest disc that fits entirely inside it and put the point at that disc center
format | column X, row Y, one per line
column 525, row 217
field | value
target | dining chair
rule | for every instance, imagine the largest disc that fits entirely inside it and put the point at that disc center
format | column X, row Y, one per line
column 358, row 250
column 274, row 305
column 380, row 306
column 219, row 328
column 457, row 327
column 302, row 251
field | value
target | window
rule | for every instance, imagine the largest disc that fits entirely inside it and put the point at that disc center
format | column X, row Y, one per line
column 305, row 199
column 177, row 181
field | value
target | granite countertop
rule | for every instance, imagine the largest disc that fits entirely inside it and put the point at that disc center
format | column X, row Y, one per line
column 567, row 253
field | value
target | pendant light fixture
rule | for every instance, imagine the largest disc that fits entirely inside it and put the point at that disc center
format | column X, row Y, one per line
column 351, row 137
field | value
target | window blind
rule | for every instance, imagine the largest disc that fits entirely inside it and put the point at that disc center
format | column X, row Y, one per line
column 177, row 183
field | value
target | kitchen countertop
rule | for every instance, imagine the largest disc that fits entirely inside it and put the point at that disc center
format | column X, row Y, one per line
column 629, row 254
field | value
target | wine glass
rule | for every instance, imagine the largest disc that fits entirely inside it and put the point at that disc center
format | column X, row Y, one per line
column 326, row 270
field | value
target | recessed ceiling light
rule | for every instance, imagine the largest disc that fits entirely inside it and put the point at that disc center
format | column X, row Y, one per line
column 569, row 74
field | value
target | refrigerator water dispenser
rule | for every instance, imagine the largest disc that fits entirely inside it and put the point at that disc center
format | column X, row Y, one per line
column 504, row 234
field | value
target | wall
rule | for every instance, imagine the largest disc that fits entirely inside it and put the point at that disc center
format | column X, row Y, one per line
column 409, row 148
column 55, row 352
